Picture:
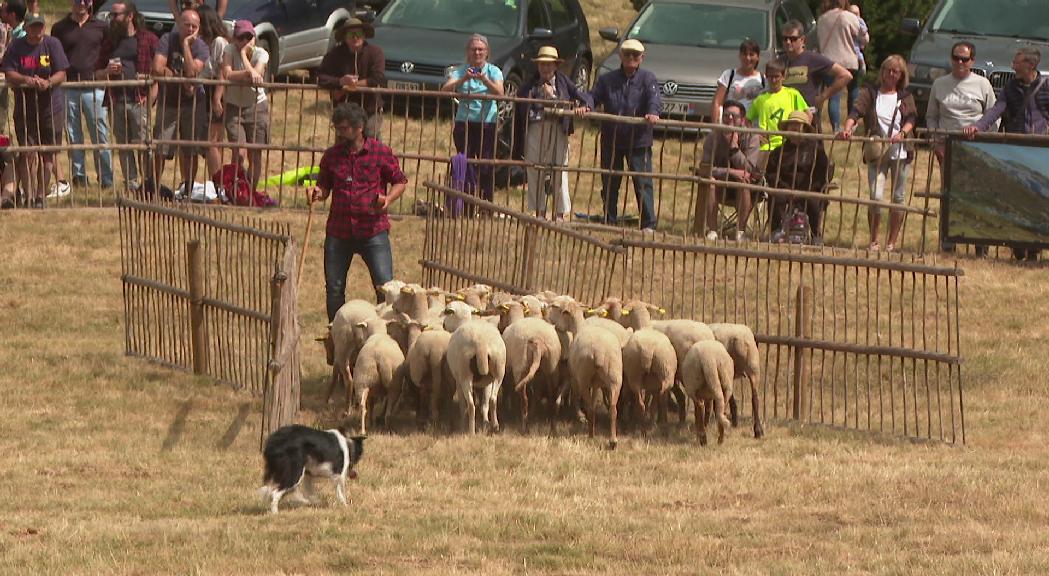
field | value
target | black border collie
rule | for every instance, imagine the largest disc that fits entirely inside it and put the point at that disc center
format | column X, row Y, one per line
column 296, row 454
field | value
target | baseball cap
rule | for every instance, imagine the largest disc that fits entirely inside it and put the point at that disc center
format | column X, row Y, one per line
column 632, row 44
column 242, row 27
column 35, row 18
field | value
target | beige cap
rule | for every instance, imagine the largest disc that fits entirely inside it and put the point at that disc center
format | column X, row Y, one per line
column 796, row 118
column 632, row 44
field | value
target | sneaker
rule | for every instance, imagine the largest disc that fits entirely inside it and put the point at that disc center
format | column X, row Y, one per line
column 777, row 236
column 712, row 236
column 648, row 231
column 59, row 189
column 740, row 236
column 7, row 204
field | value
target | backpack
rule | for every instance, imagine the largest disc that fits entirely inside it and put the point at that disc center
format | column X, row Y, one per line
column 238, row 191
column 796, row 228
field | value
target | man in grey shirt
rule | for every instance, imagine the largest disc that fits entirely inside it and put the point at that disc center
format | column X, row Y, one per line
column 957, row 101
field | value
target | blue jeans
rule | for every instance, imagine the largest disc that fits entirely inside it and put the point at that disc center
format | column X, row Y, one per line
column 338, row 254
column 638, row 160
column 88, row 102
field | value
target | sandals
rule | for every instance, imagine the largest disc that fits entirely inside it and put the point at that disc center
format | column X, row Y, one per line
column 874, row 246
column 890, row 247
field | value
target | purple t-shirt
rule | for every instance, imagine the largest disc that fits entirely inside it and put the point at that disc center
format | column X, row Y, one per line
column 42, row 61
column 807, row 73
column 171, row 46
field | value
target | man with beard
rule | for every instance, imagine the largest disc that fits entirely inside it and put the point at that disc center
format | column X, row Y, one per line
column 356, row 62
column 126, row 54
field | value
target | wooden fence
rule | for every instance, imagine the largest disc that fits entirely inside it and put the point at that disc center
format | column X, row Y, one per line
column 846, row 341
column 215, row 292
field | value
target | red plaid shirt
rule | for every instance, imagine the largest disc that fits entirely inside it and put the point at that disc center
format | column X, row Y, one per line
column 355, row 180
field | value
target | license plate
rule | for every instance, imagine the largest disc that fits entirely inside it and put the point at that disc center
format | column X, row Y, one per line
column 678, row 108
column 396, row 85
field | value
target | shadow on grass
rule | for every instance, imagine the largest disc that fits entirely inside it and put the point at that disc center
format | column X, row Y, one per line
column 178, row 425
column 235, row 427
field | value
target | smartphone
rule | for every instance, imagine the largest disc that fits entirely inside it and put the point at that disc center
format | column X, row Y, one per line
column 474, row 70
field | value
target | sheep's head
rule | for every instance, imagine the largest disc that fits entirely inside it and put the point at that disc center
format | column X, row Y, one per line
column 457, row 313
column 391, row 289
column 510, row 312
column 412, row 300
column 329, row 347
column 371, row 327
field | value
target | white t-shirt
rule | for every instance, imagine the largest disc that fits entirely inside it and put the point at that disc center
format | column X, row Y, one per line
column 744, row 88
column 240, row 94
column 213, row 67
column 955, row 104
column 887, row 107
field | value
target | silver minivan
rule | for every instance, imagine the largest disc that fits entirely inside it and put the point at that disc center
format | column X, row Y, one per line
column 997, row 28
column 689, row 43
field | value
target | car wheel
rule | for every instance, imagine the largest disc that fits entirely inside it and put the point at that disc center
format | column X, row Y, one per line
column 581, row 75
column 510, row 86
column 268, row 44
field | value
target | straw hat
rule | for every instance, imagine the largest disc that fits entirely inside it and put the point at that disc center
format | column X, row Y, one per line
column 357, row 23
column 632, row 44
column 547, row 54
column 798, row 121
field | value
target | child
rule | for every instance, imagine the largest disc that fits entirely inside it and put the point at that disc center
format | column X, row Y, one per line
column 775, row 104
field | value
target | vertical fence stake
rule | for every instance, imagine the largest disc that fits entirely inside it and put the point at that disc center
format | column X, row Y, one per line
column 802, row 329
column 196, row 305
column 528, row 258
column 271, row 405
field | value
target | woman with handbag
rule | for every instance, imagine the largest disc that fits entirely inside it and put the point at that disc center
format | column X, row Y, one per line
column 888, row 111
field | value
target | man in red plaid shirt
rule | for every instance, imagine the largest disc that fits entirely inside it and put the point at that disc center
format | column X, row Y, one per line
column 363, row 178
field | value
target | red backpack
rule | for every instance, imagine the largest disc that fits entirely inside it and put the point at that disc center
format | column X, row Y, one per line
column 234, row 181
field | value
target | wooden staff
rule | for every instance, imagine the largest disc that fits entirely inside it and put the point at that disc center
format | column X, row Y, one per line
column 306, row 236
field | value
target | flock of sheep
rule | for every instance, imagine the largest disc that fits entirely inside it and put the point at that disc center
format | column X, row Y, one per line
column 467, row 344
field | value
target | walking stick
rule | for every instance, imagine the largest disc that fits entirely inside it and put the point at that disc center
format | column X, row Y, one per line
column 305, row 237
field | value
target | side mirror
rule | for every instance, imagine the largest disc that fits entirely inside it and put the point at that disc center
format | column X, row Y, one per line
column 911, row 26
column 611, row 34
column 364, row 14
column 542, row 33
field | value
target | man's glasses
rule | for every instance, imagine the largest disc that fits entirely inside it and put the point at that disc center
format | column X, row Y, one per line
column 958, row 58
column 355, row 34
column 791, row 38
column 113, row 15
column 631, row 54
column 731, row 115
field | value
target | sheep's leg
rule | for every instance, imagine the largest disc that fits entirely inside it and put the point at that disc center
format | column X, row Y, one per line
column 682, row 401
column 436, row 390
column 487, row 409
column 661, row 403
column 701, row 420
column 719, row 414
column 496, row 385
column 336, row 378
column 613, row 415
column 524, row 409
column 466, row 396
column 591, row 409
column 364, row 411
column 393, row 394
column 422, row 406
column 755, row 407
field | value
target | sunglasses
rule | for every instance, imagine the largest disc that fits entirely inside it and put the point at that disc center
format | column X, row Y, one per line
column 355, row 34
column 245, row 37
column 116, row 14
column 957, row 58
column 731, row 115
column 791, row 38
column 631, row 54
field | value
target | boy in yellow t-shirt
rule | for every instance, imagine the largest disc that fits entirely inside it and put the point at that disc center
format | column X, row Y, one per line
column 775, row 104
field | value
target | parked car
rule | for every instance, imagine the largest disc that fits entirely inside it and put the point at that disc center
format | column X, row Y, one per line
column 424, row 39
column 689, row 43
column 996, row 28
column 296, row 33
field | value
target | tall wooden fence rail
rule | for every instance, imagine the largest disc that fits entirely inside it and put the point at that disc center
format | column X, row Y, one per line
column 213, row 291
column 869, row 345
column 418, row 125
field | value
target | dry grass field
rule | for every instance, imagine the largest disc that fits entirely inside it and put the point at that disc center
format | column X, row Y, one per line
column 113, row 465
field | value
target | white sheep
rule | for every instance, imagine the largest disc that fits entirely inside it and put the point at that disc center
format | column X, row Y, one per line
column 595, row 360
column 533, row 351
column 379, row 370
column 683, row 334
column 413, row 301
column 739, row 340
column 649, row 365
column 708, row 376
column 477, row 359
column 428, row 368
column 344, row 341
column 390, row 291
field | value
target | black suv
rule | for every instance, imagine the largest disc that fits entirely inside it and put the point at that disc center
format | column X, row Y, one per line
column 423, row 39
column 295, row 33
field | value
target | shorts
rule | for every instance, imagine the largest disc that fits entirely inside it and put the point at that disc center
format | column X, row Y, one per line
column 35, row 129
column 186, row 120
column 129, row 122
column 249, row 124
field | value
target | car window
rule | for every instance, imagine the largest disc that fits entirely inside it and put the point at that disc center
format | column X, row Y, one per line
column 536, row 16
column 560, row 15
column 1010, row 18
column 700, row 25
column 795, row 11
column 488, row 17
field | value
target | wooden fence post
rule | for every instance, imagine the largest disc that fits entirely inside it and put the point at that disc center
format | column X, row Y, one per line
column 272, row 415
column 802, row 329
column 528, row 258
column 196, row 306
